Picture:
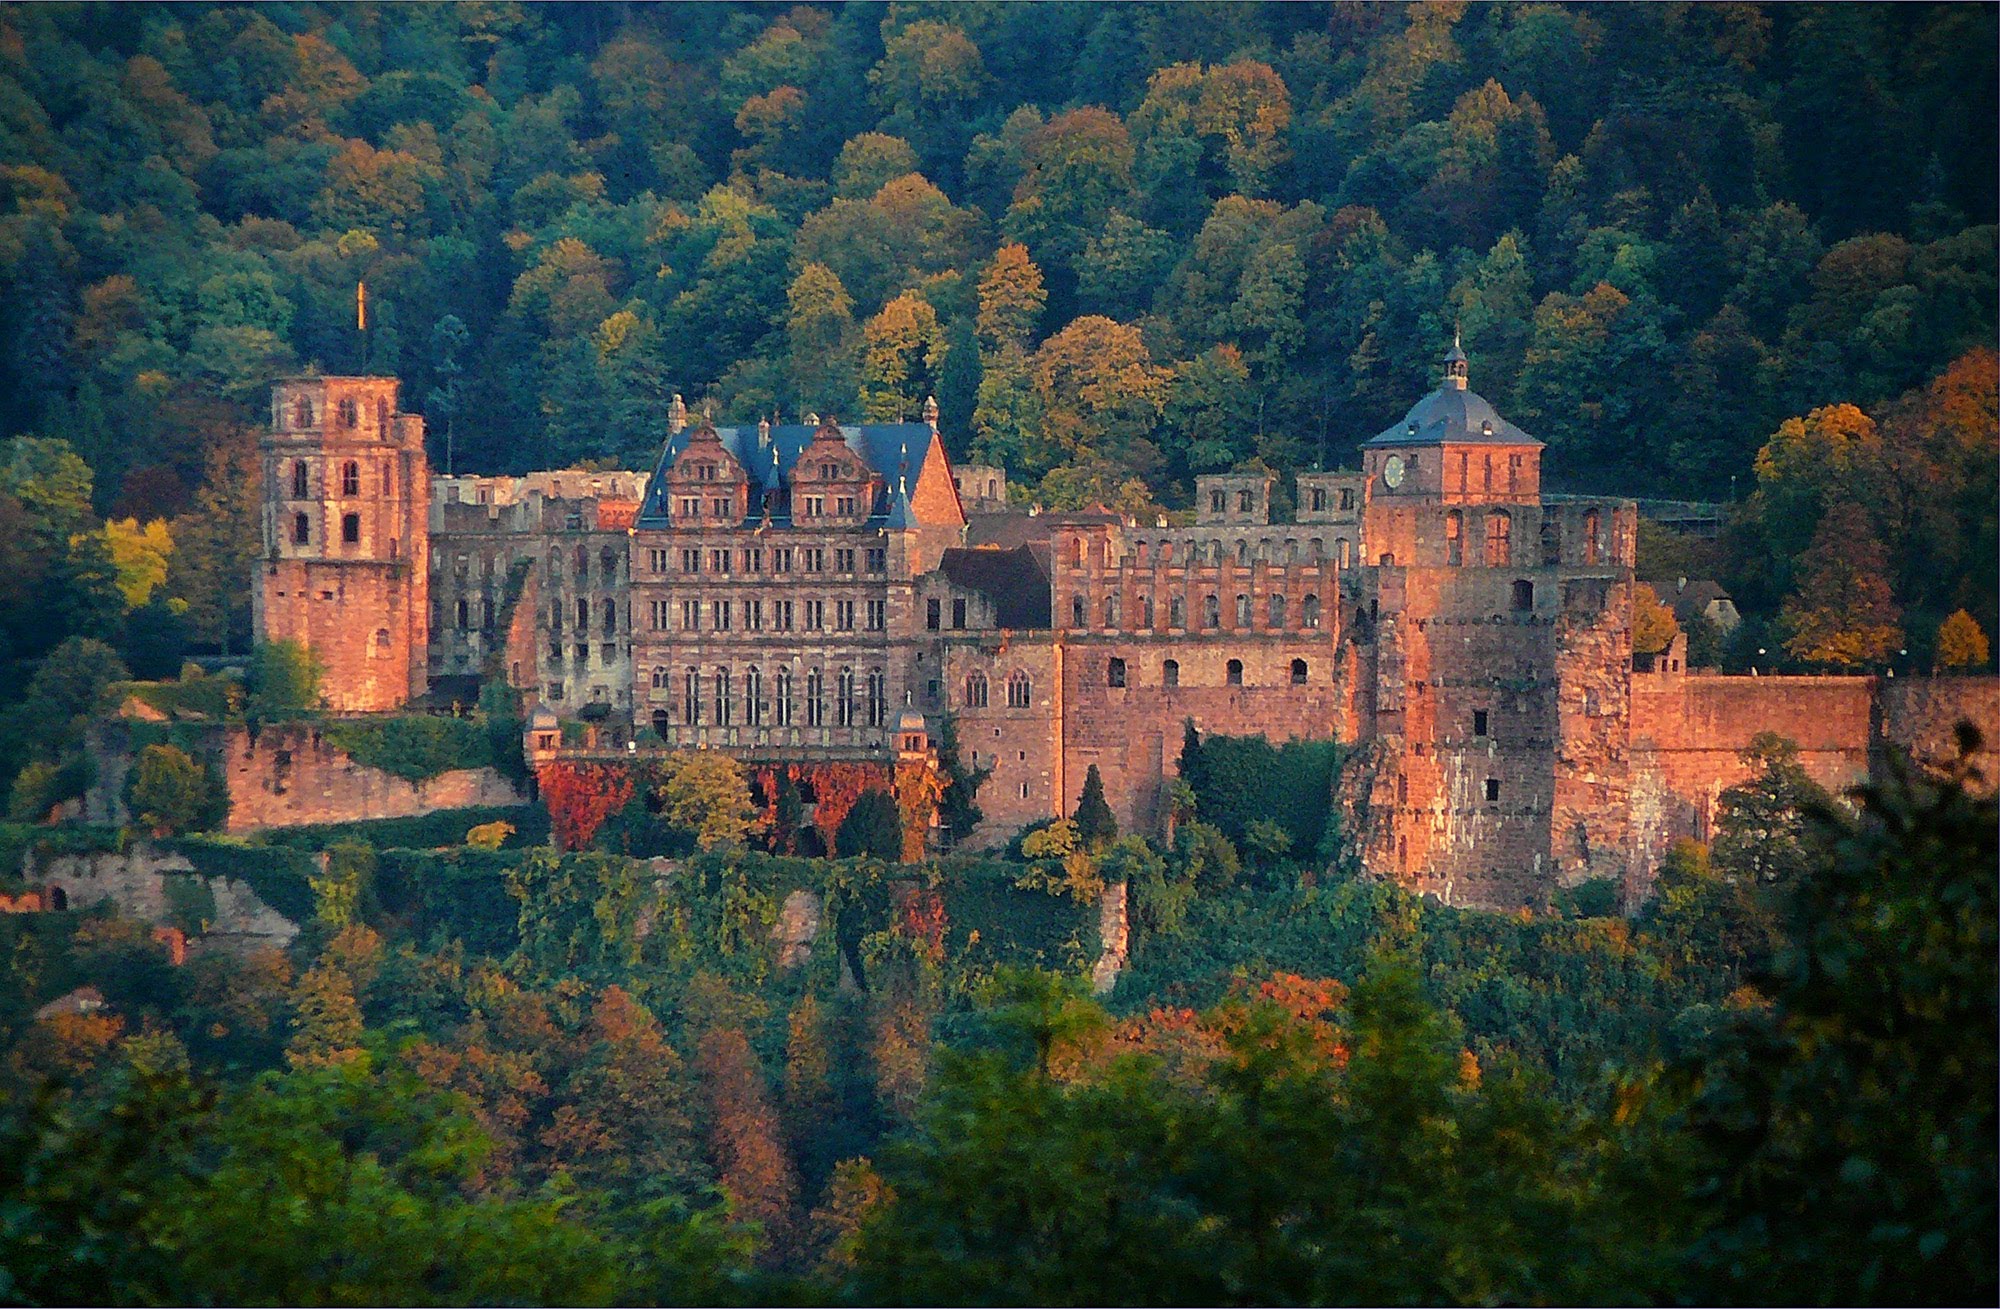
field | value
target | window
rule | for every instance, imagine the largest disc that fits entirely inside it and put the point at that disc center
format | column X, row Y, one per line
column 1114, row 673
column 1020, row 692
column 753, row 615
column 691, row 697
column 933, row 614
column 781, row 615
column 1243, row 501
column 720, row 611
column 1524, row 595
column 718, row 561
column 975, row 691
column 350, row 529
column 878, row 615
column 1176, row 611
column 350, row 476
column 878, row 559
column 661, row 722
column 843, row 560
column 1298, row 672
column 784, row 697
column 1344, row 552
column 843, row 615
column 582, row 559
column 555, row 650
column 1592, row 547
column 555, row 616
column 690, row 615
column 1211, row 611
column 844, row 506
column 690, row 560
column 690, row 506
column 1454, row 538
column 1278, row 611
column 302, row 413
column 659, row 678
column 1233, row 672
column 656, row 615
column 486, row 614
column 607, row 564
column 844, row 697
column 723, row 507
column 581, row 652
column 1242, row 554
column 1216, row 500
column 815, row 506
column 815, row 698
column 813, row 559
column 724, row 709
column 815, row 615
column 1513, row 473
column 301, row 481
column 1170, row 673
column 1552, row 540
column 753, row 559
column 1492, row 790
column 1146, row 612
column 878, row 698
column 582, row 614
column 1347, row 497
column 1479, row 722
column 301, row 530
column 781, row 559
column 1242, row 611
column 463, row 616
column 1499, row 539
column 1111, row 614
column 1076, row 615
column 1319, row 499
column 1024, row 790
column 958, row 613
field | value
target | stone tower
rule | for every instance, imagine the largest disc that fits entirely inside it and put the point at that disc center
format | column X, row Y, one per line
column 344, row 567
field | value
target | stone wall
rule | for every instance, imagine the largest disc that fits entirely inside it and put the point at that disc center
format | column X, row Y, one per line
column 136, row 882
column 291, row 777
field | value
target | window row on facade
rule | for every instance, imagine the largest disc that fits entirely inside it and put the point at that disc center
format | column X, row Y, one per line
column 753, row 560
column 1278, row 612
column 1192, row 553
column 350, row 531
column 347, row 413
column 1499, row 538
column 714, row 614
column 720, row 697
column 578, row 563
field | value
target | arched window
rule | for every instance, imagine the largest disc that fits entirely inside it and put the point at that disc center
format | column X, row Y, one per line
column 582, row 564
column 1592, row 547
column 843, row 702
column 661, row 723
column 582, row 614
column 1211, row 611
column 1233, row 672
column 724, row 704
column 1499, row 539
column 1298, row 672
column 753, row 696
column 350, row 413
column 1309, row 613
column 1524, row 595
column 301, row 481
column 608, row 564
column 1454, row 538
column 1146, row 613
column 1076, row 552
column 1277, row 611
column 485, row 613
column 1076, row 614
column 350, row 529
column 1346, row 556
column 1114, row 672
column 1020, row 692
column 1111, row 611
column 1170, row 673
column 784, row 697
column 691, row 697
column 302, row 413
column 610, row 617
column 878, row 698
column 1552, row 540
column 301, row 530
column 1242, row 554
column 975, row 691
column 659, row 678
column 382, row 416
column 1176, row 611
column 1243, row 611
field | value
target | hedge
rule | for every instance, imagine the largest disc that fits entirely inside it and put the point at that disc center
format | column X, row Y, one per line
column 444, row 827
column 456, row 894
column 215, row 698
column 1015, row 926
column 281, row 877
column 415, row 746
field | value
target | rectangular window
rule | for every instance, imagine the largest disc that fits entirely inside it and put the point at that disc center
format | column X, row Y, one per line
column 658, row 558
column 1492, row 790
column 843, row 615
column 718, row 561
column 690, row 615
column 933, row 614
column 753, row 559
column 721, row 611
column 690, row 506
column 690, row 560
column 781, row 559
column 350, row 529
column 843, row 560
column 582, row 654
column 723, row 508
column 781, row 615
column 753, row 615
column 815, row 506
column 1319, row 499
column 815, row 615
column 878, row 559
column 1479, row 722
column 958, row 613
column 878, row 615
column 656, row 617
column 812, row 559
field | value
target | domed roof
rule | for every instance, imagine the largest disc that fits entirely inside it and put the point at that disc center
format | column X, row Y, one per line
column 911, row 721
column 1451, row 415
column 543, row 719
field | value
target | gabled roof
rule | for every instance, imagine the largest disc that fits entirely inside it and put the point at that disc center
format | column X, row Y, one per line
column 895, row 451
column 1454, row 416
column 1013, row 579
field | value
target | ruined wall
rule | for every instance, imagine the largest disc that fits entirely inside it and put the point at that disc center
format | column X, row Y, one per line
column 1921, row 715
column 290, row 777
column 136, row 882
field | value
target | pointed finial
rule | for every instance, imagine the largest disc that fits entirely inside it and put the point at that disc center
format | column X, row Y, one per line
column 931, row 411
column 677, row 414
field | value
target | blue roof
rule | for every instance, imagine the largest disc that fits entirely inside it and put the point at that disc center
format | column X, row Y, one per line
column 1455, row 416
column 896, row 451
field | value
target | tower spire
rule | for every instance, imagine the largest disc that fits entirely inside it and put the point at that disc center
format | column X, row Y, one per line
column 1454, row 363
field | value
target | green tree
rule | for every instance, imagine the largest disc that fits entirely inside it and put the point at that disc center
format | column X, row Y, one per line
column 579, row 913
column 903, row 350
column 1096, row 825
column 1763, row 833
column 170, row 791
column 872, row 829
column 283, row 682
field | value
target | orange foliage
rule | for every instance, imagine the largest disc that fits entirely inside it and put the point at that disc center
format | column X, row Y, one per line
column 580, row 797
column 919, row 790
column 922, row 919
column 835, row 788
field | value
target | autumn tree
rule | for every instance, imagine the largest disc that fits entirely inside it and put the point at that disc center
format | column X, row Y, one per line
column 1654, row 626
column 707, row 794
column 1961, row 644
column 1843, row 613
column 1011, row 300
column 903, row 350
column 745, row 1143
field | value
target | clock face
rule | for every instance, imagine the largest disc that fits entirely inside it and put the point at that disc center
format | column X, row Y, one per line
column 1392, row 471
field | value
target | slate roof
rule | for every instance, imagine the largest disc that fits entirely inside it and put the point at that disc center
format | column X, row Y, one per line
column 1449, row 414
column 1013, row 579
column 1690, row 604
column 884, row 447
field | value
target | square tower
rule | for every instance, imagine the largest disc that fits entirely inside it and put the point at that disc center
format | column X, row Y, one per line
column 343, row 568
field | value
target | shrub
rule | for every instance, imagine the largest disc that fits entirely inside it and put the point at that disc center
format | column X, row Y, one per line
column 284, row 681
column 1096, row 825
column 444, row 827
column 170, row 792
column 489, row 836
column 872, row 829
column 415, row 747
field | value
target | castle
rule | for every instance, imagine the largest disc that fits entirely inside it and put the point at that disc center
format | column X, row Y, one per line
column 825, row 593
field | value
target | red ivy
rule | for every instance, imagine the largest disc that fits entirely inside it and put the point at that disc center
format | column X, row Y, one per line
column 580, row 797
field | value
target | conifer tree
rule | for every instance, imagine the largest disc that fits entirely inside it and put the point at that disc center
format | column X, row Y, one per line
column 1095, row 823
